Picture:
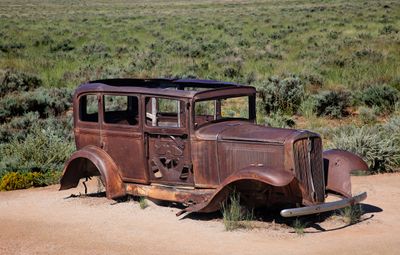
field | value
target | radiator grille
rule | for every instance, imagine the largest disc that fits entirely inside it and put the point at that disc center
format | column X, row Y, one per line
column 309, row 167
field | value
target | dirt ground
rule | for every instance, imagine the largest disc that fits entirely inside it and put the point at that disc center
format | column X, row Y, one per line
column 46, row 221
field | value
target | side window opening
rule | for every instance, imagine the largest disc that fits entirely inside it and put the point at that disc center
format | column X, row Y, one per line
column 221, row 109
column 121, row 110
column 164, row 112
column 89, row 109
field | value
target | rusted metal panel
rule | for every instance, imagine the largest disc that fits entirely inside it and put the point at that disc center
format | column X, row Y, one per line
column 234, row 156
column 273, row 180
column 92, row 161
column 205, row 163
column 338, row 165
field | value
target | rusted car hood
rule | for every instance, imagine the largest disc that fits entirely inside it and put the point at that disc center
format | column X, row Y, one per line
column 244, row 131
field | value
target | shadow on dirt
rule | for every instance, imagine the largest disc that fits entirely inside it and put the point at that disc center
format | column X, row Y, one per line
column 95, row 194
column 311, row 223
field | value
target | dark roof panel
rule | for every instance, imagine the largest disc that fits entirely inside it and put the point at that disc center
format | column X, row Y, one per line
column 167, row 87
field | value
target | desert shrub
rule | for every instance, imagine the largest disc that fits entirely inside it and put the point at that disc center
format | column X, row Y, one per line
column 143, row 203
column 145, row 60
column 65, row 45
column 388, row 29
column 18, row 81
column 45, row 40
column 314, row 79
column 279, row 120
column 11, row 47
column 232, row 71
column 351, row 214
column 332, row 103
column 97, row 49
column 19, row 127
column 41, row 150
column 234, row 214
column 299, row 226
column 379, row 145
column 24, row 180
column 307, row 107
column 283, row 94
column 368, row 54
column 367, row 115
column 47, row 102
column 382, row 96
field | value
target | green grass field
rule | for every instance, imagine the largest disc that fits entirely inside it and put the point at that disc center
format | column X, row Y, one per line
column 349, row 44
column 335, row 51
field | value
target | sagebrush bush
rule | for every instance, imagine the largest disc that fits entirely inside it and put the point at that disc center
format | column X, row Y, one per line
column 19, row 127
column 18, row 81
column 279, row 120
column 379, row 145
column 332, row 103
column 283, row 94
column 46, row 102
column 366, row 115
column 382, row 96
column 42, row 150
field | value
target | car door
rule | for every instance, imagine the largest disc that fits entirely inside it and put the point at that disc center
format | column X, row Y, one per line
column 167, row 145
column 86, row 120
column 122, row 137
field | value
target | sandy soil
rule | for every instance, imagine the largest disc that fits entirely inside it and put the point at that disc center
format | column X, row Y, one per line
column 45, row 221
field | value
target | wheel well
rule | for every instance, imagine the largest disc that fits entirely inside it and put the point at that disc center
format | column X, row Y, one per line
column 77, row 169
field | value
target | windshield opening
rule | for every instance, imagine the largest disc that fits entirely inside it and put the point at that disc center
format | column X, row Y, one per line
column 212, row 110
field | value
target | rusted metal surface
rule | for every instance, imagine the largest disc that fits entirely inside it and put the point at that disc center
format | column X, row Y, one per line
column 339, row 164
column 93, row 161
column 262, row 185
column 154, row 143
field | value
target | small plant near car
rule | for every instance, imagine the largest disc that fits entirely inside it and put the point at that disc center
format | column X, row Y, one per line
column 299, row 226
column 351, row 214
column 143, row 203
column 234, row 214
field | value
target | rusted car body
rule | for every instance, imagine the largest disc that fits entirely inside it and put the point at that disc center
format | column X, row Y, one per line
column 194, row 142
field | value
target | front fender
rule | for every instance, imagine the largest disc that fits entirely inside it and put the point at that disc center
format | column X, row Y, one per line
column 91, row 161
column 338, row 165
column 273, row 177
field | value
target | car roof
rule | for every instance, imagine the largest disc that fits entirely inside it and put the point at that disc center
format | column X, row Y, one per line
column 188, row 88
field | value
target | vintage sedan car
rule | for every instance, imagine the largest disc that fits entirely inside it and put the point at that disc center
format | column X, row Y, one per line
column 194, row 142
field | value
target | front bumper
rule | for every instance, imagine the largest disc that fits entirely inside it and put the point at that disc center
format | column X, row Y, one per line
column 325, row 207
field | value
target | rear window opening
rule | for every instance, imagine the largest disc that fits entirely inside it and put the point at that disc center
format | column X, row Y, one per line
column 89, row 108
column 123, row 110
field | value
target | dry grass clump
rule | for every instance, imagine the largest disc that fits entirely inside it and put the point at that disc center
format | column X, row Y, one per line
column 234, row 214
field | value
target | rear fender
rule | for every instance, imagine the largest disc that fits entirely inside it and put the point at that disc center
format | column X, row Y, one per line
column 338, row 165
column 273, row 177
column 92, row 161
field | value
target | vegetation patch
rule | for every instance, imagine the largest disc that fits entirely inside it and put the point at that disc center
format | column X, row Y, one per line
column 351, row 214
column 24, row 180
column 234, row 214
column 378, row 145
column 143, row 203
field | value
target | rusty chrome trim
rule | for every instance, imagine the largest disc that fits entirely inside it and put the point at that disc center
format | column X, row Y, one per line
column 325, row 207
